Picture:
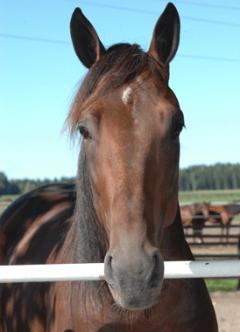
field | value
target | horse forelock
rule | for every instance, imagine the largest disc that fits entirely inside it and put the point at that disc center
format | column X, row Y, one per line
column 121, row 64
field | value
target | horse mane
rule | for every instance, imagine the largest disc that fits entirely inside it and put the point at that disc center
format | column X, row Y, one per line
column 87, row 242
column 120, row 65
column 90, row 239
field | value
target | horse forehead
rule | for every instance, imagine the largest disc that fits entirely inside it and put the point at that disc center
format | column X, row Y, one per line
column 145, row 89
column 127, row 95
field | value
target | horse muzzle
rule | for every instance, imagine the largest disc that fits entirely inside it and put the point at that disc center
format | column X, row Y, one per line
column 135, row 277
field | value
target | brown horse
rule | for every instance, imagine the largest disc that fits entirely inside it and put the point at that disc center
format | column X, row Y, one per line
column 126, row 209
column 195, row 215
column 223, row 215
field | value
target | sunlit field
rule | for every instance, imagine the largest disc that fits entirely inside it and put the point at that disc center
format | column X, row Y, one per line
column 221, row 196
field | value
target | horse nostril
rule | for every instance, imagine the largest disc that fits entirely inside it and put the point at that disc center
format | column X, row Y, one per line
column 156, row 258
column 157, row 270
column 108, row 267
column 108, row 262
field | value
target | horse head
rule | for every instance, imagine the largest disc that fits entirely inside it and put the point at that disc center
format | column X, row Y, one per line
column 130, row 121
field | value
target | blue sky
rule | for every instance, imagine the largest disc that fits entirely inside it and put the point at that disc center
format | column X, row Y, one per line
column 40, row 74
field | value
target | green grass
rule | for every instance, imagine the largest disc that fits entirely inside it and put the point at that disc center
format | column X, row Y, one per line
column 223, row 285
column 226, row 196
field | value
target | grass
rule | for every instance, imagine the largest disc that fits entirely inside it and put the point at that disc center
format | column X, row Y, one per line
column 199, row 196
column 223, row 285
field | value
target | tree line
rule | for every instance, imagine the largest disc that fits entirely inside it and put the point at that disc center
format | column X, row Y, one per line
column 20, row 186
column 200, row 177
column 214, row 177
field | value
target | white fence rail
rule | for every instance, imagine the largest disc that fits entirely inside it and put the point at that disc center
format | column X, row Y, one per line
column 95, row 271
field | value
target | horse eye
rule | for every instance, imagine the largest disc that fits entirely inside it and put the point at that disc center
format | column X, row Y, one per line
column 84, row 132
column 177, row 126
column 176, row 132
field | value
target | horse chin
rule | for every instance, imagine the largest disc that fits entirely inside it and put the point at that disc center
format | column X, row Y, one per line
column 136, row 303
column 137, row 307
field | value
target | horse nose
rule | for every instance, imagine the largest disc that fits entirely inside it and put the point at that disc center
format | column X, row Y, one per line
column 135, row 278
column 149, row 268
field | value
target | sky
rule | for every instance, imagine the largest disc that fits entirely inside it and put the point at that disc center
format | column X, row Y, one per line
column 40, row 73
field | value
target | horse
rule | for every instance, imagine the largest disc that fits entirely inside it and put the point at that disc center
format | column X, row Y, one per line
column 223, row 214
column 195, row 215
column 123, row 209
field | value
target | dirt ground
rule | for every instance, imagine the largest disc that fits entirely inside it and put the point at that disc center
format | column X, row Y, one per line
column 227, row 307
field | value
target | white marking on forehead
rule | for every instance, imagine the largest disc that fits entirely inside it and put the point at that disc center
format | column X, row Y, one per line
column 127, row 94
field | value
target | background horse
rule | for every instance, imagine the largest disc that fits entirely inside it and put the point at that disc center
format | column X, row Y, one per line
column 223, row 214
column 126, row 210
column 195, row 215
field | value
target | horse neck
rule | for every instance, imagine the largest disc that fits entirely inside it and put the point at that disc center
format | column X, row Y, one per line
column 87, row 236
column 173, row 243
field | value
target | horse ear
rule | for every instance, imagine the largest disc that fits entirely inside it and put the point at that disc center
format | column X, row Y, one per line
column 86, row 42
column 165, row 38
